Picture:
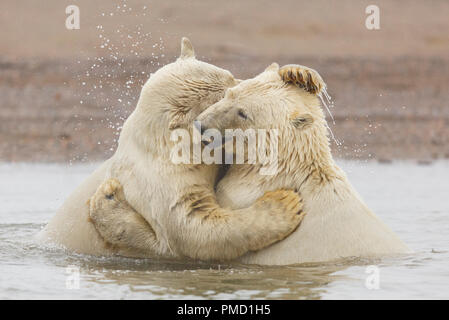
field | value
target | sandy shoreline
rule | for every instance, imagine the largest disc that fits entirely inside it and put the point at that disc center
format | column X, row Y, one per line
column 54, row 112
column 64, row 98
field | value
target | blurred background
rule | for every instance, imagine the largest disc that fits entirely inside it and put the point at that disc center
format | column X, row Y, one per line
column 64, row 94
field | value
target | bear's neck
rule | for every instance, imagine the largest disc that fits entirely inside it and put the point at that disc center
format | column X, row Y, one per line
column 305, row 162
column 141, row 134
column 309, row 159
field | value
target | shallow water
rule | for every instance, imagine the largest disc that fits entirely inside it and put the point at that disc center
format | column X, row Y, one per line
column 411, row 199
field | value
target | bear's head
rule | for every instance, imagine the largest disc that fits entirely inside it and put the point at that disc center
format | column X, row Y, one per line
column 173, row 97
column 267, row 102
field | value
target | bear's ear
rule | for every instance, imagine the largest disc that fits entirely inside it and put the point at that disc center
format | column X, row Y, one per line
column 302, row 121
column 186, row 49
column 273, row 67
column 229, row 93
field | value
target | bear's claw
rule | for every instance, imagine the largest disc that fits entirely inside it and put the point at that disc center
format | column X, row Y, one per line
column 108, row 194
column 303, row 77
column 286, row 203
column 111, row 188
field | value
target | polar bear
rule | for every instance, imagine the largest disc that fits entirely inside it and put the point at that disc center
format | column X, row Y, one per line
column 179, row 215
column 338, row 224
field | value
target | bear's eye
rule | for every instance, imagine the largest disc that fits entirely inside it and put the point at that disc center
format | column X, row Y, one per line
column 242, row 114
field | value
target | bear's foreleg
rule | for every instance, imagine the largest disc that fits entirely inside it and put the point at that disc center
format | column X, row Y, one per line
column 117, row 222
column 210, row 232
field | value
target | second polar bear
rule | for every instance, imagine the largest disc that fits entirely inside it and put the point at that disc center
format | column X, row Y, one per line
column 338, row 223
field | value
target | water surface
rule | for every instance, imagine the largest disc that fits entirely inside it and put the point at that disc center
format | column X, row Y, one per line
column 411, row 199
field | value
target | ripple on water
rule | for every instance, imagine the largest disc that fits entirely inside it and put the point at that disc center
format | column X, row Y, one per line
column 33, row 271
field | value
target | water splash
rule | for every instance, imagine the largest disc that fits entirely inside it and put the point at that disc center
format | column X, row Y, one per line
column 125, row 56
column 328, row 103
